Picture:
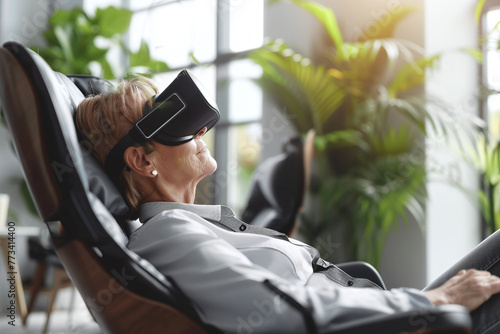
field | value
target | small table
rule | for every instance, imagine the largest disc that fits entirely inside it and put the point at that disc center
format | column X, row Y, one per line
column 8, row 237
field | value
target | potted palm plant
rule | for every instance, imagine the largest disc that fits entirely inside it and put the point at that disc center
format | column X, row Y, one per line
column 370, row 121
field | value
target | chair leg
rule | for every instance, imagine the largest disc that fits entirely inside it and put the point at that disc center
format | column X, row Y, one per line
column 71, row 305
column 59, row 278
column 38, row 280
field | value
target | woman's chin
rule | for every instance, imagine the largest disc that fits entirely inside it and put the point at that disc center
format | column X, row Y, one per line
column 213, row 167
column 210, row 167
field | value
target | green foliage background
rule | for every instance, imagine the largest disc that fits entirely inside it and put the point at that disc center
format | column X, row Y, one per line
column 370, row 119
column 76, row 43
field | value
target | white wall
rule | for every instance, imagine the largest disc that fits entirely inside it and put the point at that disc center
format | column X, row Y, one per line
column 453, row 226
column 23, row 20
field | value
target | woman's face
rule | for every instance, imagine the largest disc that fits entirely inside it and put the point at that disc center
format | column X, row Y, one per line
column 186, row 163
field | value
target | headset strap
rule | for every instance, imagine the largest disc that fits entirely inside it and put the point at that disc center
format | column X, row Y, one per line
column 114, row 162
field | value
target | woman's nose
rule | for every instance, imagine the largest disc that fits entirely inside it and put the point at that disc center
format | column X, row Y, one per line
column 201, row 133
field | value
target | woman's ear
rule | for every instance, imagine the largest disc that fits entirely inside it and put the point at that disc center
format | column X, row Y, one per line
column 138, row 160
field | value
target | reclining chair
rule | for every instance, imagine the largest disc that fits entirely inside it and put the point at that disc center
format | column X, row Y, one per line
column 278, row 186
column 84, row 211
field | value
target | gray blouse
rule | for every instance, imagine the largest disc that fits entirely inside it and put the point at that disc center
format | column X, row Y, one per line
column 222, row 272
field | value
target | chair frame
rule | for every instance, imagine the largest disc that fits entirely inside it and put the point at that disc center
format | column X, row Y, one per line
column 58, row 206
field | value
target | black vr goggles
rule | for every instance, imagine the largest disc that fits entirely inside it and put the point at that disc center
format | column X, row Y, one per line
column 176, row 116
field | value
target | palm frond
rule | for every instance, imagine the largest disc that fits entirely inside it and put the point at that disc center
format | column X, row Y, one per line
column 486, row 158
column 479, row 9
column 371, row 63
column 411, row 75
column 328, row 20
column 374, row 198
column 474, row 52
column 348, row 137
column 393, row 142
column 313, row 92
column 388, row 23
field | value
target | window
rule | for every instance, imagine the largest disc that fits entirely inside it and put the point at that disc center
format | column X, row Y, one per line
column 491, row 66
column 176, row 30
column 209, row 37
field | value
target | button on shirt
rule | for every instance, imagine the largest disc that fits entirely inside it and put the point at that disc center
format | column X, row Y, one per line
column 221, row 270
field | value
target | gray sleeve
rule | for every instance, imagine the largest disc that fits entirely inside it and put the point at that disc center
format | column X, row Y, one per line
column 227, row 289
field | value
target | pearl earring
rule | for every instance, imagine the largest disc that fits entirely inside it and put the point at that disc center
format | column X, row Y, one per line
column 154, row 172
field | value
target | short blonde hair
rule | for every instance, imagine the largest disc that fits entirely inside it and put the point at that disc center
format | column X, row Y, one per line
column 106, row 118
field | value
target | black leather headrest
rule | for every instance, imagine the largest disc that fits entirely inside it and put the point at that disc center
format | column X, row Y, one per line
column 277, row 189
column 277, row 178
column 98, row 181
column 90, row 85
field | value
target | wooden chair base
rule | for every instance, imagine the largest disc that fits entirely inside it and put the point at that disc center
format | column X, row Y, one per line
column 61, row 281
column 116, row 309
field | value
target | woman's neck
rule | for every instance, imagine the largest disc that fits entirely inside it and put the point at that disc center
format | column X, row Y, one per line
column 170, row 193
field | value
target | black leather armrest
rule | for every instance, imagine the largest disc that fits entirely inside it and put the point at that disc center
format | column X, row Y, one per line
column 449, row 319
column 362, row 270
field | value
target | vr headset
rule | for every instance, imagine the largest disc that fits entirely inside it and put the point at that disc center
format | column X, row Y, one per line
column 175, row 117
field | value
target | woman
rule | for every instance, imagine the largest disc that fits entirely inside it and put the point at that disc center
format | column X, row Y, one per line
column 233, row 273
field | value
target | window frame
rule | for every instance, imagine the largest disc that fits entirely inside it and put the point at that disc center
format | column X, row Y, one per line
column 483, row 73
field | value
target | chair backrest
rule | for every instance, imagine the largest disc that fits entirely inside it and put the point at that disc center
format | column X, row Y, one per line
column 71, row 189
column 278, row 186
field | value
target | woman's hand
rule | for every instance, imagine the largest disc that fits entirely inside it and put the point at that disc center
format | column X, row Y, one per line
column 469, row 288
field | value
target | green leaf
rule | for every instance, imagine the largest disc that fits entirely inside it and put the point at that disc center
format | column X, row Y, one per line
column 107, row 71
column 83, row 25
column 193, row 58
column 112, row 21
column 64, row 17
column 142, row 61
column 51, row 54
column 94, row 53
column 156, row 66
column 479, row 9
column 308, row 92
column 49, row 36
column 393, row 142
column 476, row 53
column 327, row 18
column 64, row 41
column 412, row 75
column 484, row 205
column 388, row 22
column 347, row 137
column 141, row 57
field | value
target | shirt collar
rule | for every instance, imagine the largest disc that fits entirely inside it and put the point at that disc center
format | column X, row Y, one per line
column 151, row 209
